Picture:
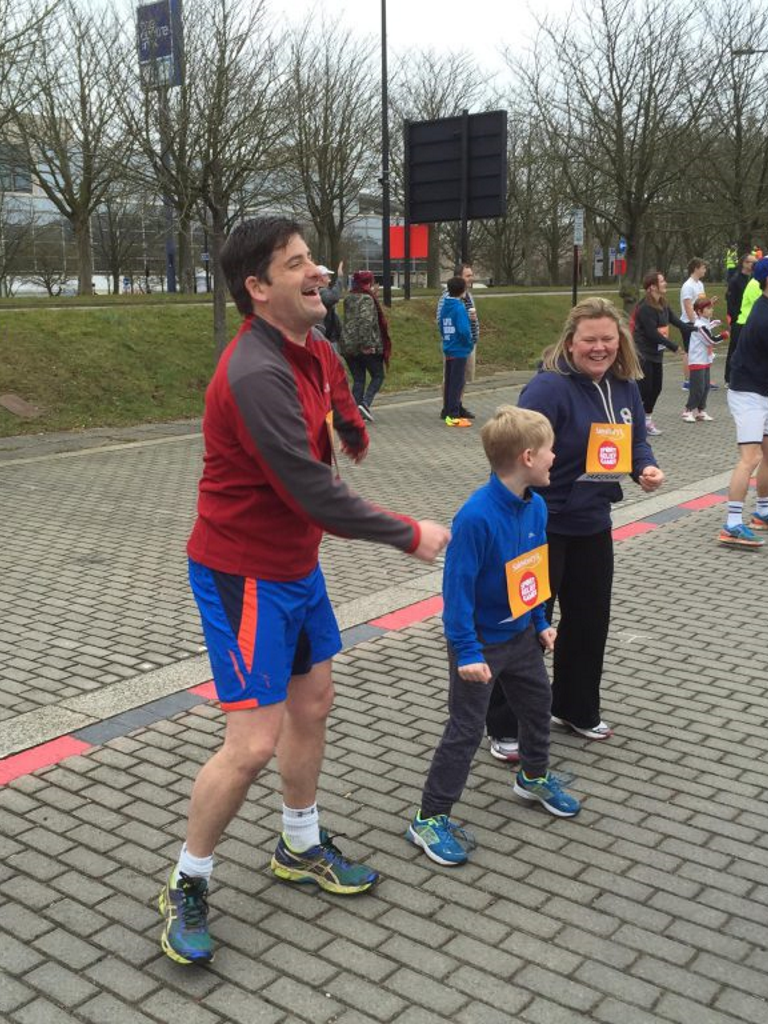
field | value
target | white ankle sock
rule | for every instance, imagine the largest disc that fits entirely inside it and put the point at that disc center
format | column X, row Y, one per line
column 193, row 867
column 735, row 513
column 301, row 828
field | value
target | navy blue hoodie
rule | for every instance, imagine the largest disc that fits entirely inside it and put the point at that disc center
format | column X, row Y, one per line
column 572, row 402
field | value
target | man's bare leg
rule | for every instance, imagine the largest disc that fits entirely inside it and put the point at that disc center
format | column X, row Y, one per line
column 301, row 745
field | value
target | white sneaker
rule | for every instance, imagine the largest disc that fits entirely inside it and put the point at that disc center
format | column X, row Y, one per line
column 601, row 731
column 650, row 428
column 704, row 416
column 505, row 749
column 688, row 416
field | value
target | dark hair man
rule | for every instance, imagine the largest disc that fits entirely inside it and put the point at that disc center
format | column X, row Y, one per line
column 267, row 495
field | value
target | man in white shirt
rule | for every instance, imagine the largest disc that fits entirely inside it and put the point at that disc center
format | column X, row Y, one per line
column 691, row 290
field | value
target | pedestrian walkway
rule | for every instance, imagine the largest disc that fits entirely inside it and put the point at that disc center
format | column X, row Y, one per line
column 650, row 906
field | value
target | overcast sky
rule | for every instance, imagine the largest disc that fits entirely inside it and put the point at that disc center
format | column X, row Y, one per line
column 482, row 28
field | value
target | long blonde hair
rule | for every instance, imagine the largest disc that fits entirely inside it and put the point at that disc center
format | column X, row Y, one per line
column 626, row 365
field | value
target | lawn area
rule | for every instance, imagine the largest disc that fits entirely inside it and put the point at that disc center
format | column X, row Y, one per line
column 88, row 367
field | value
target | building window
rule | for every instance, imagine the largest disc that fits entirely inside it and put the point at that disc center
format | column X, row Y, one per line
column 15, row 173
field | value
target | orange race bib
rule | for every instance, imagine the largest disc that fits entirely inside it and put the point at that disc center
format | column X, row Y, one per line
column 609, row 452
column 528, row 580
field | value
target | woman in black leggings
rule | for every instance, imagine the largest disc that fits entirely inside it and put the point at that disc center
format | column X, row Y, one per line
column 650, row 323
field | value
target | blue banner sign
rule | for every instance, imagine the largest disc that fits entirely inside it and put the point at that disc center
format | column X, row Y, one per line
column 158, row 29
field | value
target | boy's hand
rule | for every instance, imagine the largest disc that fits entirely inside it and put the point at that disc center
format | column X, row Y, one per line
column 547, row 638
column 434, row 538
column 477, row 673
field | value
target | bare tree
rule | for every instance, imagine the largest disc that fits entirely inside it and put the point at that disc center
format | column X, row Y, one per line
column 616, row 89
column 215, row 145
column 68, row 130
column 332, row 149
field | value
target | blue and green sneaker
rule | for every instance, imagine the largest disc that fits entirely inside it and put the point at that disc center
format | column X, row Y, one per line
column 548, row 791
column 184, row 904
column 325, row 865
column 441, row 839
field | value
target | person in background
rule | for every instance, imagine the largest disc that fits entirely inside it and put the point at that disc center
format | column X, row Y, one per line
column 706, row 335
column 457, row 347
column 464, row 270
column 650, row 328
column 365, row 341
column 737, row 286
column 691, row 289
column 331, row 324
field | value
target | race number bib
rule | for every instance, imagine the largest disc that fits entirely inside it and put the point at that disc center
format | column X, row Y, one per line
column 609, row 452
column 528, row 580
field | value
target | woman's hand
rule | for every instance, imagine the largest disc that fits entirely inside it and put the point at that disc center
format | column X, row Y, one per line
column 651, row 479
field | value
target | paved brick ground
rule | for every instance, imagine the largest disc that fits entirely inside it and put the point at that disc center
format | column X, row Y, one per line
column 651, row 906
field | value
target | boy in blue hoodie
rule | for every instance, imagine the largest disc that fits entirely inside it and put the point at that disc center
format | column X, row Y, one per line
column 495, row 586
column 456, row 333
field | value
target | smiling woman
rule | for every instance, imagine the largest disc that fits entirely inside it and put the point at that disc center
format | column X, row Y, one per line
column 588, row 381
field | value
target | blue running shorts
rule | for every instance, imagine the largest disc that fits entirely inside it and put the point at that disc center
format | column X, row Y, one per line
column 259, row 633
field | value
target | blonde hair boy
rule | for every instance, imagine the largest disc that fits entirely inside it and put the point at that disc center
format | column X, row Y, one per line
column 510, row 432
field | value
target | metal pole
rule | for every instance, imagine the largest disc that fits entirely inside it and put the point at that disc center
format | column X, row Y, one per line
column 575, row 274
column 385, row 210
column 170, row 239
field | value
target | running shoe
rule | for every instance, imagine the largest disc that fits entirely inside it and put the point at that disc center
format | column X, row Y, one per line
column 184, row 906
column 466, row 414
column 704, row 417
column 758, row 522
column 739, row 537
column 715, row 387
column 457, row 421
column 549, row 792
column 325, row 865
column 441, row 839
column 507, row 748
column 686, row 385
column 650, row 428
column 601, row 731
column 688, row 416
column 366, row 413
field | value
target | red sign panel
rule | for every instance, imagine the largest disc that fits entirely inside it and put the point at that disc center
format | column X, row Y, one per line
column 419, row 242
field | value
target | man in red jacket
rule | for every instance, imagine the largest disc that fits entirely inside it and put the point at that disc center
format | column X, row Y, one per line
column 268, row 493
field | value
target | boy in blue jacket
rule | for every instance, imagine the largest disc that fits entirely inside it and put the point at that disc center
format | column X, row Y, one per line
column 495, row 586
column 456, row 333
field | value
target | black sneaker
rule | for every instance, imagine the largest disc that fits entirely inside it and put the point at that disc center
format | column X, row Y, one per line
column 466, row 414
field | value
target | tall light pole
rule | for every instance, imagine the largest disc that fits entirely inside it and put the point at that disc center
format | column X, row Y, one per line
column 385, row 210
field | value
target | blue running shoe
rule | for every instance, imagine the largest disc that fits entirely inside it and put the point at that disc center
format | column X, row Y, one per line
column 758, row 522
column 549, row 792
column 739, row 536
column 325, row 865
column 441, row 839
column 184, row 906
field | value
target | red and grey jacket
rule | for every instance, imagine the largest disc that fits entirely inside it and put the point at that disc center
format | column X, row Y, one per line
column 267, row 491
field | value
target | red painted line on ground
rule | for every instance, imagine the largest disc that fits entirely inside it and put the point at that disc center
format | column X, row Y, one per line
column 706, row 501
column 44, row 756
column 205, row 690
column 633, row 530
column 412, row 613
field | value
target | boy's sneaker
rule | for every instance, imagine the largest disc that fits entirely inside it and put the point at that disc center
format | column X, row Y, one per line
column 184, row 906
column 739, row 537
column 758, row 522
column 507, row 748
column 601, row 731
column 325, row 865
column 688, row 416
column 441, row 839
column 366, row 413
column 457, row 421
column 704, row 416
column 549, row 792
column 686, row 385
column 650, row 428
column 466, row 414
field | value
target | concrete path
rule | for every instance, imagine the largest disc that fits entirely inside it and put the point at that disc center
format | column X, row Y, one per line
column 651, row 906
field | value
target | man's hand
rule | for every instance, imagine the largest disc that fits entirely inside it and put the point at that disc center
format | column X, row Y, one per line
column 547, row 638
column 651, row 479
column 477, row 673
column 356, row 454
column 434, row 538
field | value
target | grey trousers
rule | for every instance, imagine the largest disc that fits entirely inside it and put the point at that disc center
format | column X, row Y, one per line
column 518, row 665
